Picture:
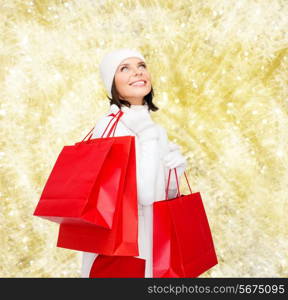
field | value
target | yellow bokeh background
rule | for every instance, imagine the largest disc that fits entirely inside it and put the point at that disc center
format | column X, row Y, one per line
column 219, row 72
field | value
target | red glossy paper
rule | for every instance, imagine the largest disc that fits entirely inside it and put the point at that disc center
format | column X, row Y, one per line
column 85, row 181
column 182, row 240
column 117, row 267
column 122, row 239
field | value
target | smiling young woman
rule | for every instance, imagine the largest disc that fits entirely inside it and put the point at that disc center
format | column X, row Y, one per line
column 128, row 84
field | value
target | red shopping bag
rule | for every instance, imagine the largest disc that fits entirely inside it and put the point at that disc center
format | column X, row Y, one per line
column 182, row 240
column 117, row 267
column 85, row 181
column 122, row 238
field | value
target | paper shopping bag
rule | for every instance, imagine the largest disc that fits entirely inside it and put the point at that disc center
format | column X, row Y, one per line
column 117, row 267
column 122, row 238
column 182, row 240
column 85, row 182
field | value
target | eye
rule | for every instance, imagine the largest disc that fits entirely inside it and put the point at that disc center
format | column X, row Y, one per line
column 142, row 65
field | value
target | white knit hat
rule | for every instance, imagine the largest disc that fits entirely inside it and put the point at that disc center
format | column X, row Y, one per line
column 111, row 61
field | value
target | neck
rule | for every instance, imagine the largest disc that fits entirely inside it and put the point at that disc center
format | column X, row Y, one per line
column 136, row 101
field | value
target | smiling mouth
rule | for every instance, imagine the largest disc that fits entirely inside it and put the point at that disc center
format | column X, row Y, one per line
column 139, row 83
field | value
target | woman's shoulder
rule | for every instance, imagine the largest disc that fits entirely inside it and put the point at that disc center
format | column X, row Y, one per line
column 100, row 126
column 106, row 121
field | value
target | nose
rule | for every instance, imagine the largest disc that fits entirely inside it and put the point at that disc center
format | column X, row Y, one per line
column 137, row 71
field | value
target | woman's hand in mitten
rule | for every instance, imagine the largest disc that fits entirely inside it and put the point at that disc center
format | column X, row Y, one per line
column 173, row 146
column 174, row 159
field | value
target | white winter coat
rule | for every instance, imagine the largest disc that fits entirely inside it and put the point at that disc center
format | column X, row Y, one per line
column 152, row 177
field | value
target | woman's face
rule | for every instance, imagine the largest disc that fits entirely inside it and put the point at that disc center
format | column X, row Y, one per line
column 128, row 72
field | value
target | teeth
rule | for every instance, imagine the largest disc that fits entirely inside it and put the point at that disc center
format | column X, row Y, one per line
column 139, row 83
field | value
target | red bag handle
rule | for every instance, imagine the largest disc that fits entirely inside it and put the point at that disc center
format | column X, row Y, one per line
column 116, row 117
column 113, row 127
column 178, row 190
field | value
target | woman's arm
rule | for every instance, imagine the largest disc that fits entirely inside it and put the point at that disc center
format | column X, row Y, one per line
column 148, row 162
column 172, row 190
column 147, row 152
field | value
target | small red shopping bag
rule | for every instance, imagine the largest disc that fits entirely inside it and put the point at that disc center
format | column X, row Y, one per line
column 85, row 181
column 182, row 240
column 122, row 238
column 117, row 267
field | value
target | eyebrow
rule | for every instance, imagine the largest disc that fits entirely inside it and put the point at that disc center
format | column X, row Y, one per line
column 141, row 62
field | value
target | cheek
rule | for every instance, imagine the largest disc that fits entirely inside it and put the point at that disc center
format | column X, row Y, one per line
column 119, row 79
column 147, row 74
column 121, row 82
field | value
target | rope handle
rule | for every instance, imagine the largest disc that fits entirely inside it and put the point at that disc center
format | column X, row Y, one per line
column 116, row 117
column 178, row 189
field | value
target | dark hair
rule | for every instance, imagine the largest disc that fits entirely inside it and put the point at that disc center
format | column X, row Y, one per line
column 119, row 102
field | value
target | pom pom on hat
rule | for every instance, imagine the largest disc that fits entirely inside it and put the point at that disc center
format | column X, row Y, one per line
column 111, row 61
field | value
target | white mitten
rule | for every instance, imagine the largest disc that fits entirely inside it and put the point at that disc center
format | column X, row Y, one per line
column 174, row 159
column 173, row 190
column 140, row 122
column 173, row 146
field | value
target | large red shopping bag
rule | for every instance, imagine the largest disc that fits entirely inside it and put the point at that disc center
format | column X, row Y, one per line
column 117, row 267
column 86, row 180
column 182, row 240
column 122, row 238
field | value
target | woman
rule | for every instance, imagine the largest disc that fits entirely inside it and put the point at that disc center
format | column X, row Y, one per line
column 128, row 84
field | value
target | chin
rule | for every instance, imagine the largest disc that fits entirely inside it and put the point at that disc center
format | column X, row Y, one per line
column 141, row 92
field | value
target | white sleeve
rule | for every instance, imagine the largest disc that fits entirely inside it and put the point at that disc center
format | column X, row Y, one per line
column 172, row 190
column 147, row 166
column 87, row 262
column 100, row 126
